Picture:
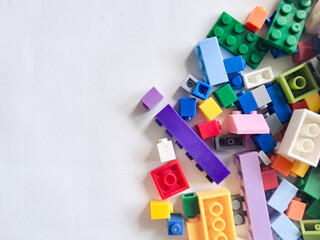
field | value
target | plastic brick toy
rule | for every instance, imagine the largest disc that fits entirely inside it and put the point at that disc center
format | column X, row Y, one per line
column 299, row 169
column 281, row 164
column 283, row 227
column 169, row 179
column 310, row 184
column 283, row 195
column 187, row 108
column 305, row 52
column 264, row 158
column 314, row 65
column 175, row 225
column 238, row 211
column 230, row 141
column 256, row 18
column 298, row 83
column 310, row 229
column 216, row 214
column 313, row 20
column 225, row 96
column 194, row 227
column 209, row 129
column 270, row 18
column 239, row 40
column 264, row 142
column 201, row 90
column 252, row 188
column 277, row 53
column 252, row 123
column 296, row 209
column 298, row 105
column 261, row 96
column 236, row 81
column 274, row 123
column 192, row 143
column 151, row 99
column 269, row 178
column 166, row 151
column 160, row 209
column 259, row 77
column 190, row 204
column 288, row 23
column 234, row 64
column 302, row 138
column 313, row 102
column 189, row 83
column 209, row 109
column 246, row 102
column 313, row 210
column 283, row 112
column 211, row 63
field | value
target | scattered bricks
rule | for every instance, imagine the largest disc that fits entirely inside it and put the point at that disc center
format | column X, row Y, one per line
column 274, row 123
column 236, row 81
column 305, row 52
column 209, row 109
column 201, row 90
column 160, row 209
column 269, row 178
column 239, row 40
column 210, row 61
column 238, row 211
column 270, row 18
column 261, row 96
column 225, row 96
column 283, row 227
column 252, row 123
column 298, row 105
column 296, row 209
column 187, row 108
column 281, row 164
column 258, row 77
column 190, row 204
column 313, row 102
column 151, row 99
column 282, row 196
column 264, row 142
column 166, row 151
column 189, row 83
column 299, row 169
column 264, row 158
column 246, row 102
column 283, row 112
column 209, row 129
column 288, row 24
column 234, row 64
column 225, row 142
column 169, row 179
column 175, row 225
column 256, row 18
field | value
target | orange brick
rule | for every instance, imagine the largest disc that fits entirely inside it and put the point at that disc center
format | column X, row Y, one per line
column 296, row 209
column 256, row 18
column 281, row 164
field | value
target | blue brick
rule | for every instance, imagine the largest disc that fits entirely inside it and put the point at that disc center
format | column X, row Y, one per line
column 282, row 196
column 277, row 53
column 283, row 112
column 283, row 227
column 270, row 18
column 187, row 108
column 202, row 90
column 210, row 61
column 175, row 225
column 236, row 81
column 264, row 142
column 315, row 41
column 234, row 64
column 276, row 94
column 246, row 102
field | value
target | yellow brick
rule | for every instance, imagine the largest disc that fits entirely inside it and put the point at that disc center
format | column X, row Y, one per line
column 209, row 109
column 194, row 227
column 160, row 209
column 216, row 214
column 299, row 169
column 313, row 102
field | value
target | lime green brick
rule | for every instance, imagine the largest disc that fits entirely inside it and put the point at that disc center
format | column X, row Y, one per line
column 298, row 83
column 310, row 229
column 239, row 40
column 225, row 96
column 288, row 23
column 190, row 204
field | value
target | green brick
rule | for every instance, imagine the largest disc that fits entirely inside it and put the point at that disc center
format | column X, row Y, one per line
column 298, row 83
column 310, row 229
column 310, row 183
column 190, row 204
column 239, row 40
column 225, row 96
column 288, row 23
column 313, row 210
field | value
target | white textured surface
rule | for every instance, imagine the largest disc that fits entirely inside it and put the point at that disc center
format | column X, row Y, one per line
column 76, row 149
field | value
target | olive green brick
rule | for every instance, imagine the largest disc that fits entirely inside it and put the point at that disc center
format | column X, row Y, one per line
column 310, row 229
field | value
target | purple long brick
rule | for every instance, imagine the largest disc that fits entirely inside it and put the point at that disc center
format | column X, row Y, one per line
column 193, row 144
column 252, row 188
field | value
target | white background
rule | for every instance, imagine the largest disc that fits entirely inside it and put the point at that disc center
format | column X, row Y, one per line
column 76, row 149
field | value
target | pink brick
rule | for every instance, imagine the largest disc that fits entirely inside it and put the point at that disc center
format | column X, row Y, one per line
column 252, row 123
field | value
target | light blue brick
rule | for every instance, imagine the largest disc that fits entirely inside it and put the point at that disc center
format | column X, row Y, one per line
column 283, row 227
column 211, row 62
column 283, row 195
